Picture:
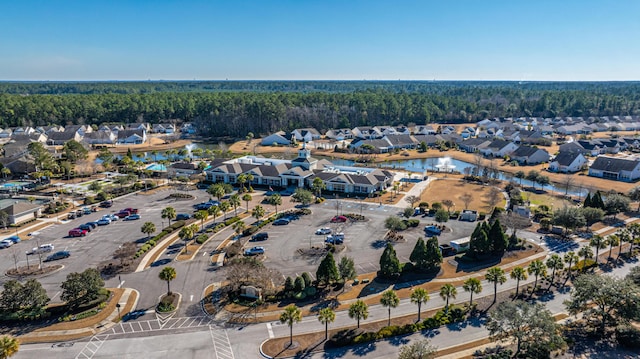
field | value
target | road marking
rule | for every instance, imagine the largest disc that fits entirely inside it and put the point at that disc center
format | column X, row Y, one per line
column 270, row 330
column 120, row 285
column 191, row 298
column 55, row 295
column 204, row 254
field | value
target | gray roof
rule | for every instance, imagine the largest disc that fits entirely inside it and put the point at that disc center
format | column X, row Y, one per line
column 566, row 158
column 62, row 136
column 525, row 151
column 613, row 164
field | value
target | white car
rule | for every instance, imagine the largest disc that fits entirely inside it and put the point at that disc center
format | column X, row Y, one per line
column 45, row 248
column 323, row 231
column 6, row 243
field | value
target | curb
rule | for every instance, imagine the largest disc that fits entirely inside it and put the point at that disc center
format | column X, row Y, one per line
column 261, row 352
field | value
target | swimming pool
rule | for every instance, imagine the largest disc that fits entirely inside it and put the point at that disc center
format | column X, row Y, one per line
column 157, row 167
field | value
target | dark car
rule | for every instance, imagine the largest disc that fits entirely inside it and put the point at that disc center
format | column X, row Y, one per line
column 106, row 204
column 281, row 222
column 432, row 231
column 58, row 255
column 85, row 227
column 260, row 236
column 14, row 239
column 133, row 315
column 92, row 224
column 182, row 216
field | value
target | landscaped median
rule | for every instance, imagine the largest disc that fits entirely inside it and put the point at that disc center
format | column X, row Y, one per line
column 76, row 329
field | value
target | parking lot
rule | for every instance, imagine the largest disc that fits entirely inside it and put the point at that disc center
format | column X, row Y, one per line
column 364, row 241
column 98, row 245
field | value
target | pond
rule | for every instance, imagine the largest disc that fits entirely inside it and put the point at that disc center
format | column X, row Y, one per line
column 447, row 164
column 149, row 157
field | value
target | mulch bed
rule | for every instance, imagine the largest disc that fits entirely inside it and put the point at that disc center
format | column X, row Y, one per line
column 33, row 270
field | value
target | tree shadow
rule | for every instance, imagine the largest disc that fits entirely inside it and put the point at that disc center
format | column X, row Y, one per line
column 364, row 349
column 399, row 340
column 373, row 287
column 430, row 333
column 161, row 262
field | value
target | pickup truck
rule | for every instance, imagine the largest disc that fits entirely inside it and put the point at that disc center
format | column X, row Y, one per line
column 130, row 210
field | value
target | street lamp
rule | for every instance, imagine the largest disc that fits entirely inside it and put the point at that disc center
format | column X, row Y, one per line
column 118, row 306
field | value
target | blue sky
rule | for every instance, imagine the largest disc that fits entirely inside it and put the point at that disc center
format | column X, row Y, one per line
column 324, row 40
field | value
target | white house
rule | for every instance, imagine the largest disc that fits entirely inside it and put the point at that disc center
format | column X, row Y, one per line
column 20, row 212
column 620, row 169
column 568, row 162
column 499, row 148
column 366, row 133
column 134, row 137
column 527, row 155
column 305, row 134
column 340, row 134
column 100, row 137
column 278, row 138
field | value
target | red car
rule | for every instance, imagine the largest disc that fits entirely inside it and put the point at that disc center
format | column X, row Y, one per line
column 339, row 219
column 77, row 232
column 130, row 210
column 123, row 214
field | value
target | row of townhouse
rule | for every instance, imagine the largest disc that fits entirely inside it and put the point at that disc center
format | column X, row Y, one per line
column 82, row 130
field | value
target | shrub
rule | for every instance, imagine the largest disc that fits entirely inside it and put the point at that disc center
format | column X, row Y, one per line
column 310, row 291
column 175, row 225
column 628, row 336
column 481, row 216
column 413, row 222
column 365, row 337
column 201, row 238
column 231, row 221
column 300, row 295
column 583, row 265
column 250, row 230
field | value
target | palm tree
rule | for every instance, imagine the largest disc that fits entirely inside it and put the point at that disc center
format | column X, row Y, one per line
column 624, row 236
column 169, row 213
column 570, row 258
column 247, row 198
column 249, row 180
column 148, row 228
column 202, row 215
column 537, row 269
column 241, row 179
column 554, row 263
column 275, row 200
column 214, row 211
column 419, row 296
column 472, row 285
column 258, row 212
column 234, row 201
column 186, row 233
column 448, row 291
column 326, row 316
column 634, row 232
column 224, row 207
column 239, row 227
column 598, row 242
column 389, row 300
column 496, row 276
column 216, row 190
column 317, row 186
column 613, row 240
column 167, row 274
column 9, row 346
column 291, row 315
column 358, row 310
column 5, row 172
column 586, row 252
column 518, row 273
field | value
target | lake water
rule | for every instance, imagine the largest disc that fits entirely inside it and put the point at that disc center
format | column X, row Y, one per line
column 423, row 165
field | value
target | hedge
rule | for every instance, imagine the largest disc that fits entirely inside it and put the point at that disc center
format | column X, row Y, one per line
column 231, row 221
column 153, row 241
column 201, row 238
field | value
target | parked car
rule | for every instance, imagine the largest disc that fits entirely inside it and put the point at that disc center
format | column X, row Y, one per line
column 86, row 210
column 339, row 219
column 104, row 222
column 106, row 204
column 5, row 243
column 323, row 231
column 58, row 255
column 132, row 217
column 79, row 213
column 92, row 224
column 281, row 222
column 71, row 215
column 182, row 216
column 123, row 214
column 85, row 227
column 111, row 217
column 432, row 231
column 253, row 251
column 77, row 232
column 263, row 236
column 14, row 239
column 334, row 240
column 44, row 248
column 130, row 210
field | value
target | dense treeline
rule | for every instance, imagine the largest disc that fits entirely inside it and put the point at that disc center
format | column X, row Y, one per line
column 239, row 109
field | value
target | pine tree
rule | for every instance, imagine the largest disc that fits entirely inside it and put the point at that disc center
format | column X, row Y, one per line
column 497, row 239
column 588, row 201
column 389, row 264
column 434, row 255
column 419, row 254
column 327, row 270
column 598, row 203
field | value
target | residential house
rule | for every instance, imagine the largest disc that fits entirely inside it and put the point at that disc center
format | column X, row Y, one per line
column 499, row 148
column 400, row 141
column 138, row 136
column 379, row 145
column 138, row 126
column 572, row 147
column 27, row 130
column 6, row 133
column 305, row 134
column 80, row 129
column 366, row 133
column 100, row 137
column 473, row 145
column 526, row 155
column 621, row 169
column 59, row 138
column 568, row 162
column 32, row 137
column 279, row 138
column 188, row 128
column 20, row 212
column 117, row 128
column 424, row 130
column 340, row 134
column 522, row 211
